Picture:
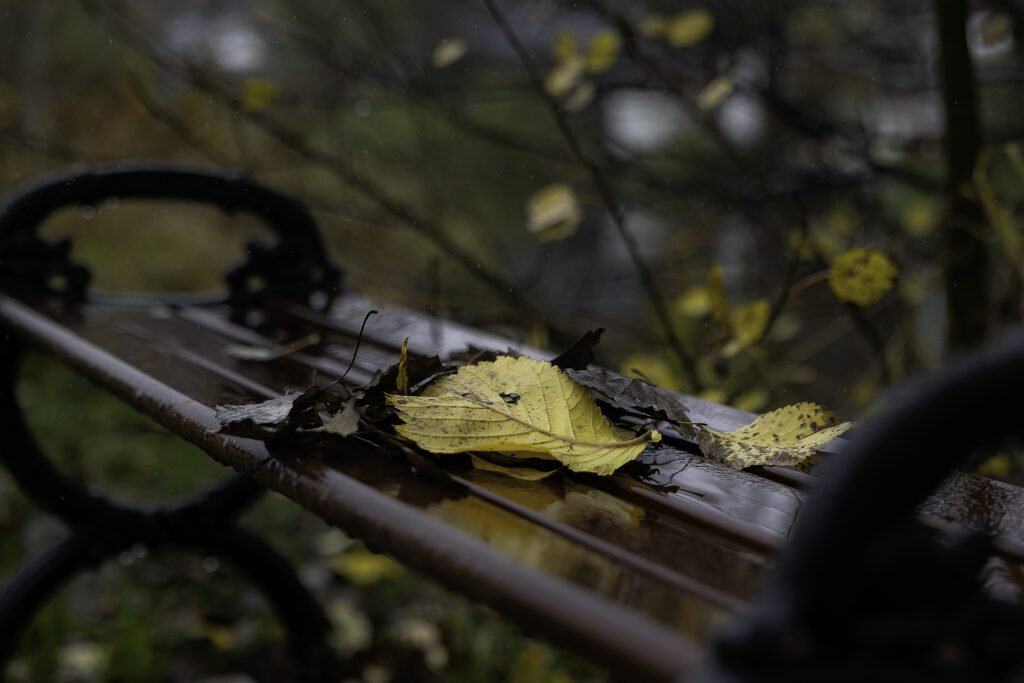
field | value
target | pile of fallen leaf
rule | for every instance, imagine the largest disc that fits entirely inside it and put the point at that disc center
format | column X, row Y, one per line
column 518, row 409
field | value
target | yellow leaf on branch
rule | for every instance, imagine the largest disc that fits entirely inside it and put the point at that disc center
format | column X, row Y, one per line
column 554, row 212
column 517, row 404
column 747, row 323
column 715, row 92
column 257, row 93
column 784, row 437
column 861, row 276
column 689, row 28
column 447, row 52
column 603, row 51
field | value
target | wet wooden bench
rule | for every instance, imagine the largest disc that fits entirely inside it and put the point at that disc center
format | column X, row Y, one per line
column 637, row 571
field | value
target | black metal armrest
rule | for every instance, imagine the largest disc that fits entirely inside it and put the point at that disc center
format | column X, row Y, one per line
column 865, row 593
column 295, row 266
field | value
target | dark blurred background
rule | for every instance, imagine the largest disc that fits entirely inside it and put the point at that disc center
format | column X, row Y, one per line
column 760, row 203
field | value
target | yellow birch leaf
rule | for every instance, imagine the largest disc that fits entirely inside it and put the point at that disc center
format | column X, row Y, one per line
column 565, row 76
column 747, row 322
column 516, row 404
column 693, row 303
column 448, row 52
column 715, row 92
column 784, row 437
column 554, row 212
column 861, row 276
column 257, row 93
column 603, row 51
column 690, row 28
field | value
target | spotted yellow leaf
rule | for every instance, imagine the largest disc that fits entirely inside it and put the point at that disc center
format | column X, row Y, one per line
column 689, row 28
column 554, row 212
column 861, row 276
column 517, row 404
column 785, row 437
column 603, row 51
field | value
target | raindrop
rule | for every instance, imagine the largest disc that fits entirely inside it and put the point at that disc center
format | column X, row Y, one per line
column 88, row 212
column 362, row 107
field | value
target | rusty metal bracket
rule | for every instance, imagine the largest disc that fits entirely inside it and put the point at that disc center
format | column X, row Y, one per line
column 294, row 267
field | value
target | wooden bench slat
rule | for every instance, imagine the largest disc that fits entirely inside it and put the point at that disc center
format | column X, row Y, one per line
column 565, row 613
column 680, row 539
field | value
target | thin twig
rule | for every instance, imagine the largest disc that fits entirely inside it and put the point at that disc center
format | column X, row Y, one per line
column 338, row 166
column 607, row 193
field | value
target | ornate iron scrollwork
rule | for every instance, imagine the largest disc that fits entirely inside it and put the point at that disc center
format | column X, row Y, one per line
column 294, row 266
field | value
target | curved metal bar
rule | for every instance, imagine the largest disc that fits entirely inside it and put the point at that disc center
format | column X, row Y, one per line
column 100, row 529
column 295, row 267
column 37, row 580
column 270, row 572
column 307, row 626
column 46, row 486
column 855, row 541
column 67, row 498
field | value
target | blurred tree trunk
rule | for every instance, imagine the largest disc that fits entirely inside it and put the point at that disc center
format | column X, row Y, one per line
column 966, row 250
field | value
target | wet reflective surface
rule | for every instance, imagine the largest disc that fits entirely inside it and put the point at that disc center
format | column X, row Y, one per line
column 673, row 536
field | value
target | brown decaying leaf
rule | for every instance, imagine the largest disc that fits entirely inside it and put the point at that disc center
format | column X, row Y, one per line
column 631, row 395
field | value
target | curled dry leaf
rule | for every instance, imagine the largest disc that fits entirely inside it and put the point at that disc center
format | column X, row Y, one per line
column 580, row 355
column 344, row 423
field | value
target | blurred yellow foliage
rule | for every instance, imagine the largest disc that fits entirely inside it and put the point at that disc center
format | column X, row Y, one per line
column 715, row 92
column 653, row 367
column 689, row 28
column 447, row 52
column 257, row 93
column 603, row 51
column 553, row 212
column 861, row 276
